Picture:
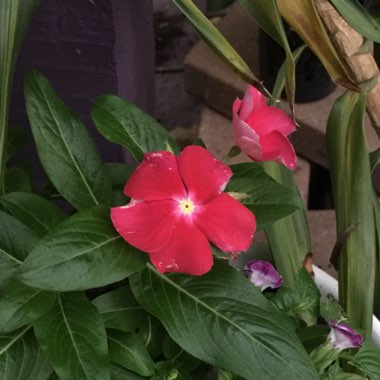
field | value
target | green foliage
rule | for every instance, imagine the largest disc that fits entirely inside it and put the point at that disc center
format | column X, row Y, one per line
column 65, row 148
column 123, row 123
column 33, row 211
column 21, row 304
column 21, row 357
column 268, row 199
column 128, row 350
column 17, row 179
column 221, row 318
column 331, row 310
column 82, row 252
column 120, row 310
column 73, row 338
column 367, row 359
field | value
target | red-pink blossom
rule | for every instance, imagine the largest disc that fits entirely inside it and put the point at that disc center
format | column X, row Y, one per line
column 261, row 131
column 177, row 206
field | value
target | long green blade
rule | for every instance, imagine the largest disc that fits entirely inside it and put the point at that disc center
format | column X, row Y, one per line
column 352, row 189
column 14, row 20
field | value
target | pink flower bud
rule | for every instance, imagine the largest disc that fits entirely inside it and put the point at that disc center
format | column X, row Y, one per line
column 262, row 274
column 343, row 336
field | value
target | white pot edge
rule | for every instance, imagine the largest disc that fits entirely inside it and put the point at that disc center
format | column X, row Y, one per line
column 329, row 285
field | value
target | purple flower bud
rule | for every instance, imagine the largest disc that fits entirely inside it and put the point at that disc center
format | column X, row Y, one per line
column 343, row 336
column 262, row 274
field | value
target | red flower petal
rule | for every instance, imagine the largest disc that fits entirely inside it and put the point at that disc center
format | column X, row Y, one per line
column 247, row 139
column 226, row 223
column 276, row 147
column 268, row 119
column 146, row 225
column 253, row 100
column 204, row 176
column 156, row 178
column 173, row 242
column 187, row 251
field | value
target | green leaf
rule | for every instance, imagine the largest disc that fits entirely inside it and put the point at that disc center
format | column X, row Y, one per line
column 302, row 296
column 223, row 320
column 21, row 357
column 359, row 18
column 218, row 43
column 353, row 193
column 268, row 199
column 127, row 350
column 368, row 360
column 64, row 145
column 331, row 310
column 82, row 252
column 152, row 334
column 17, row 179
column 267, row 16
column 35, row 212
column 313, row 336
column 15, row 16
column 16, row 241
column 73, row 338
column 123, row 123
column 119, row 373
column 120, row 310
column 21, row 304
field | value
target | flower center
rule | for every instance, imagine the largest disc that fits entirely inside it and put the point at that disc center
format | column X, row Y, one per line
column 186, row 206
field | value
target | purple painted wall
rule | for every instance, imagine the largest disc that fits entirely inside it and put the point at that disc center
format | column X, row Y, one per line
column 87, row 48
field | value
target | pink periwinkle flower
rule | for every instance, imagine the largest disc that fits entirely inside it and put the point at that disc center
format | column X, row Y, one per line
column 177, row 206
column 262, row 274
column 343, row 336
column 261, row 131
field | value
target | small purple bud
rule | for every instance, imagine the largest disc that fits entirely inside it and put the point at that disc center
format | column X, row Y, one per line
column 262, row 274
column 343, row 336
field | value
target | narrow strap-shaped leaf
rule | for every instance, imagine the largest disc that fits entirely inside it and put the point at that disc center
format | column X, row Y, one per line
column 267, row 16
column 84, row 247
column 123, row 123
column 359, row 18
column 65, row 148
column 352, row 189
column 21, row 304
column 128, row 350
column 302, row 16
column 15, row 16
column 21, row 357
column 218, row 43
column 16, row 241
column 222, row 319
column 35, row 212
column 73, row 338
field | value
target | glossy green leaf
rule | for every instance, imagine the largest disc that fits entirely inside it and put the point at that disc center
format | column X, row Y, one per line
column 21, row 304
column 64, row 145
column 16, row 241
column 269, row 200
column 218, row 43
column 15, row 16
column 267, row 16
column 302, row 296
column 223, row 320
column 352, row 190
column 359, row 18
column 120, row 310
column 35, row 212
column 21, row 357
column 368, row 360
column 128, row 350
column 17, row 179
column 82, row 252
column 123, row 123
column 73, row 338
